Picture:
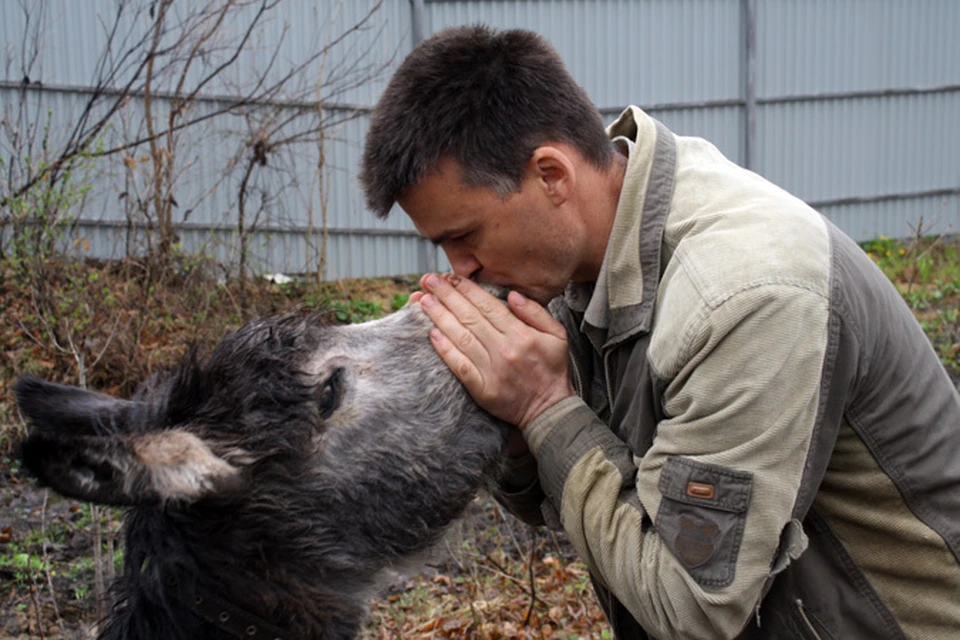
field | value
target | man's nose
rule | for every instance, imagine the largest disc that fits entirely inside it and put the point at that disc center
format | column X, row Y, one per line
column 463, row 263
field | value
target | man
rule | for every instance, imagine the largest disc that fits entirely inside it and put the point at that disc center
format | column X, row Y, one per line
column 730, row 411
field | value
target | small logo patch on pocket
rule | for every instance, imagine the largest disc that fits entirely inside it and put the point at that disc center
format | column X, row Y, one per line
column 696, row 541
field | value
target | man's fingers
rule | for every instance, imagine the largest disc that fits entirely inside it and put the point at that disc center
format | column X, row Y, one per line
column 533, row 314
column 512, row 360
column 460, row 334
column 492, row 308
column 461, row 366
column 478, row 313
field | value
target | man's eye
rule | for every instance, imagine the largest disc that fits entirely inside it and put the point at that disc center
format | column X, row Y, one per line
column 330, row 394
column 450, row 239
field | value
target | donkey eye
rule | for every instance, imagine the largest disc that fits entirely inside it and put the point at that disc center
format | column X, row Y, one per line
column 330, row 394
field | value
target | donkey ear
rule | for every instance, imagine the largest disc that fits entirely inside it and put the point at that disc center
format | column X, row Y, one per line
column 170, row 465
column 94, row 447
column 53, row 407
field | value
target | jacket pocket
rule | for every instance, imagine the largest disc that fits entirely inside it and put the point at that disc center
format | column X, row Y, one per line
column 701, row 517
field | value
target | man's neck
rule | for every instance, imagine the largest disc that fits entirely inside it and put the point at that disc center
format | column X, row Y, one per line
column 599, row 206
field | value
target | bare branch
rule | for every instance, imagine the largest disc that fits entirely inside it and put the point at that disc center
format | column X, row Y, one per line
column 46, row 558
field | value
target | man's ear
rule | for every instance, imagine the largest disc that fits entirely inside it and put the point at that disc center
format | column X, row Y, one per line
column 555, row 171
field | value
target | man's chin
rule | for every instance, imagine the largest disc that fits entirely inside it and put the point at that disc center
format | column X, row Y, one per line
column 541, row 297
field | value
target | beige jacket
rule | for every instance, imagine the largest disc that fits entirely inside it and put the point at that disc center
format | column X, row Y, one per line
column 764, row 443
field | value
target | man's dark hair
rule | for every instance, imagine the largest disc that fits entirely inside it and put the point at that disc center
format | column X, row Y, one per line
column 485, row 98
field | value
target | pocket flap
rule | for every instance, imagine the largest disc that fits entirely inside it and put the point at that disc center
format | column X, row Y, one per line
column 707, row 485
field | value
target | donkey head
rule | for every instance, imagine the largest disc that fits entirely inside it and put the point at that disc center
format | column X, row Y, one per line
column 284, row 472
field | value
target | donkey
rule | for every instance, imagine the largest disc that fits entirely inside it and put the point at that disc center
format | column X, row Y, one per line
column 271, row 484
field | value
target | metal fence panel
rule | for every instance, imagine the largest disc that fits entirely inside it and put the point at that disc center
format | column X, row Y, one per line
column 897, row 218
column 625, row 51
column 878, row 146
column 824, row 46
column 856, row 110
column 362, row 38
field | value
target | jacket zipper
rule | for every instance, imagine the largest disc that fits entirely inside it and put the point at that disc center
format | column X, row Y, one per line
column 577, row 381
column 606, row 378
column 806, row 620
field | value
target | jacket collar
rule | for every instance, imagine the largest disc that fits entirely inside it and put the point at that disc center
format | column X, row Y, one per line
column 620, row 304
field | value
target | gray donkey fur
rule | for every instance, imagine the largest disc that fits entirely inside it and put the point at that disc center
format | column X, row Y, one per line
column 283, row 473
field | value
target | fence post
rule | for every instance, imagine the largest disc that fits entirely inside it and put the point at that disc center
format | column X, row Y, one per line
column 750, row 79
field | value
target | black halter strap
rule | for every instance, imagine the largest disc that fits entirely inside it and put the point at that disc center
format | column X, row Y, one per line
column 226, row 615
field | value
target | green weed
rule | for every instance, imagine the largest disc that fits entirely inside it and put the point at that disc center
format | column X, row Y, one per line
column 399, row 301
column 354, row 311
column 926, row 271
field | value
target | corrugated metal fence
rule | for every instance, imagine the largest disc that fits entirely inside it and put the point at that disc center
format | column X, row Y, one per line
column 853, row 106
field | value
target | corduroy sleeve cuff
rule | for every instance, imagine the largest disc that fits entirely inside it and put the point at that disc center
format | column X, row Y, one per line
column 562, row 435
column 537, row 431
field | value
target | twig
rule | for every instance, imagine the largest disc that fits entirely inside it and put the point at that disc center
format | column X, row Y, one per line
column 498, row 569
column 456, row 555
column 98, row 587
column 471, row 596
column 46, row 325
column 78, row 356
column 35, row 597
column 27, row 333
column 509, row 522
column 556, row 543
column 111, row 565
column 533, row 584
column 106, row 345
column 914, row 257
column 46, row 558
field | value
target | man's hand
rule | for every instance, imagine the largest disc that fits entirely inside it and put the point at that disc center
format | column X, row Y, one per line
column 513, row 362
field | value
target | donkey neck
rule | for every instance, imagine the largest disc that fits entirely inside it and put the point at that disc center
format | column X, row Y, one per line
column 169, row 566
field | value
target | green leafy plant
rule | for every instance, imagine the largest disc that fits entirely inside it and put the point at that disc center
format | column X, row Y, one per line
column 926, row 271
column 399, row 300
column 354, row 311
column 25, row 567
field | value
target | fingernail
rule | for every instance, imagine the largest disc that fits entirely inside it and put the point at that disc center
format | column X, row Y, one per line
column 519, row 299
column 432, row 280
column 453, row 279
column 427, row 301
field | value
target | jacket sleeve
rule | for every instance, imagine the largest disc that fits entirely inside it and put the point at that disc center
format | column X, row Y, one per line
column 518, row 488
column 517, row 485
column 686, row 536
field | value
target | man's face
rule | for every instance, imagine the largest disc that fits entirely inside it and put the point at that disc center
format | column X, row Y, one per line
column 523, row 241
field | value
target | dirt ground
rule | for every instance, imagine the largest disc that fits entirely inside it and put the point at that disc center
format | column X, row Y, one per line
column 481, row 552
column 27, row 609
